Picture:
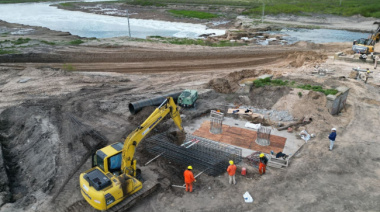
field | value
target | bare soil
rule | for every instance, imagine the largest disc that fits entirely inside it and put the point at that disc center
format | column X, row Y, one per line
column 50, row 124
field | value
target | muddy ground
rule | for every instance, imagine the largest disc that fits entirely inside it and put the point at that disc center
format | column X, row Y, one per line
column 52, row 118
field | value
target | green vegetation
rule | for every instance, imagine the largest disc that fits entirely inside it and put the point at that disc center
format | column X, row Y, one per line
column 366, row 8
column 268, row 81
column 20, row 41
column 318, row 88
column 4, row 34
column 147, row 3
column 68, row 67
column 48, row 43
column 76, row 42
column 188, row 41
column 3, row 51
column 277, row 82
column 193, row 14
column 67, row 4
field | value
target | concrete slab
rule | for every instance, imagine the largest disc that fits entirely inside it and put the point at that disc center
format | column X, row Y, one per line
column 291, row 144
column 241, row 137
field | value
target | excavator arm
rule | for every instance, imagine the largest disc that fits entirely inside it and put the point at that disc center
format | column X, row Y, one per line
column 128, row 164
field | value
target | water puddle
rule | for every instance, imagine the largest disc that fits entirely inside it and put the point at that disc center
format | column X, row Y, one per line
column 320, row 35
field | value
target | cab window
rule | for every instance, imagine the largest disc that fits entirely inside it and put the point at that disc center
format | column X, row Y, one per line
column 114, row 163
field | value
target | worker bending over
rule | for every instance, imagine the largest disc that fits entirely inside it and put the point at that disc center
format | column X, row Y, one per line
column 231, row 172
column 189, row 179
column 263, row 163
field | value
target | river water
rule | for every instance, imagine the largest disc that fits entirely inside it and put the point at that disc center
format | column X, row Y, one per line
column 94, row 25
column 102, row 26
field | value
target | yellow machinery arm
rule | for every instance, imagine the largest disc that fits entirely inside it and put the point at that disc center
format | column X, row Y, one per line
column 112, row 177
column 128, row 164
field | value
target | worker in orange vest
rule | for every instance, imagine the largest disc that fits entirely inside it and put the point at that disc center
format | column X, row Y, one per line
column 189, row 179
column 231, row 172
column 263, row 163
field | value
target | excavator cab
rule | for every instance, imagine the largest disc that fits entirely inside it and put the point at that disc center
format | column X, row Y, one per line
column 109, row 162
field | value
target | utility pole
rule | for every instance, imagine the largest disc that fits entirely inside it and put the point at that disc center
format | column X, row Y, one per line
column 262, row 18
column 129, row 28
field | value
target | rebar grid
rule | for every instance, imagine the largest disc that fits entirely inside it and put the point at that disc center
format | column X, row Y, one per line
column 201, row 153
column 263, row 136
column 216, row 122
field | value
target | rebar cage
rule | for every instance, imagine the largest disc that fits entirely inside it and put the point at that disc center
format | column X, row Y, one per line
column 201, row 153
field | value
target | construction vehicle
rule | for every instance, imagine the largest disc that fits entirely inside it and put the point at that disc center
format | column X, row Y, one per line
column 188, row 98
column 113, row 176
column 367, row 46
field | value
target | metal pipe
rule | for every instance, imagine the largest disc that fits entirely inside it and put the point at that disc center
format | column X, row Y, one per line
column 135, row 107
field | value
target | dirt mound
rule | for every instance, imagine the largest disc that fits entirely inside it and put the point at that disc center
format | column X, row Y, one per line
column 230, row 83
column 266, row 97
column 298, row 59
column 307, row 45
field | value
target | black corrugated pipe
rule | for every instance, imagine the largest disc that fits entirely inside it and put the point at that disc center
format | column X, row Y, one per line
column 135, row 107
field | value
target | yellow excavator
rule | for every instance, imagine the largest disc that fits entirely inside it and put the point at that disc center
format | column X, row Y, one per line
column 367, row 46
column 113, row 176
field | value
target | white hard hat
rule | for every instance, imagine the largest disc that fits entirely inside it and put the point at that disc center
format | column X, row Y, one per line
column 333, row 129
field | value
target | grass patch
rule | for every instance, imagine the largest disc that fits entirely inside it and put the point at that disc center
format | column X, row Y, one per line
column 193, row 14
column 76, row 42
column 4, row 34
column 277, row 82
column 48, row 42
column 147, row 3
column 68, row 67
column 20, row 41
column 3, row 51
column 67, row 4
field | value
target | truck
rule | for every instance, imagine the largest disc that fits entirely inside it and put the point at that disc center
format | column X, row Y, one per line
column 114, row 176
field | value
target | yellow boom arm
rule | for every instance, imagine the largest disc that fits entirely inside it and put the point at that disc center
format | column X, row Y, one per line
column 128, row 164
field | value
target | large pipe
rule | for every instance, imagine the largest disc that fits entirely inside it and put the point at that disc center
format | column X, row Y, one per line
column 135, row 107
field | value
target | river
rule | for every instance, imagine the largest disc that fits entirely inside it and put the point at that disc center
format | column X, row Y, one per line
column 94, row 25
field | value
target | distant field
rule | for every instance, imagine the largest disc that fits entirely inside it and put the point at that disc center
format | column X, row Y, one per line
column 366, row 8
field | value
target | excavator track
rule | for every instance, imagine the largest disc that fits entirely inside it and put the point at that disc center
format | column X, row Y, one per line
column 148, row 188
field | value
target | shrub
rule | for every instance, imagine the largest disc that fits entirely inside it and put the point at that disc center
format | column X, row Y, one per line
column 76, row 42
column 20, row 41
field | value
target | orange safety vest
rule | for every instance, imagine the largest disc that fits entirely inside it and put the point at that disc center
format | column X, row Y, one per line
column 231, row 170
column 189, row 177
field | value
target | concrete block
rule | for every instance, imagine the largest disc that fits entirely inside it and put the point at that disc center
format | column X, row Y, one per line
column 335, row 103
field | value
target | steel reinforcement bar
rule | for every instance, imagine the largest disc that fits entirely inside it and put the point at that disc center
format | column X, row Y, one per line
column 201, row 153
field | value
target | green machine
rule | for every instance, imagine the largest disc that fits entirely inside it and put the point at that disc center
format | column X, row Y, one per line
column 188, row 98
